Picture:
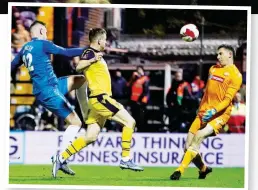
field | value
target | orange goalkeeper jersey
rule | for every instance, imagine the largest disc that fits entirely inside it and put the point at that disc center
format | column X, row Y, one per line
column 222, row 82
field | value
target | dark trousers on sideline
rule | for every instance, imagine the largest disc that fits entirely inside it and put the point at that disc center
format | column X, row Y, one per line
column 139, row 112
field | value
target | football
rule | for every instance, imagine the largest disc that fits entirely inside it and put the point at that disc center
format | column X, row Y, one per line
column 189, row 32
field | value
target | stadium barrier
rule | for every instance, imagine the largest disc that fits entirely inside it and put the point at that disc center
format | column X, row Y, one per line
column 148, row 149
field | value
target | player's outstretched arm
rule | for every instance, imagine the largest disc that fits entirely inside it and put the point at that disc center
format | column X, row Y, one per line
column 84, row 63
column 87, row 58
column 50, row 47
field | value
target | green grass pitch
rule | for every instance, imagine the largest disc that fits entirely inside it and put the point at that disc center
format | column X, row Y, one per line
column 112, row 175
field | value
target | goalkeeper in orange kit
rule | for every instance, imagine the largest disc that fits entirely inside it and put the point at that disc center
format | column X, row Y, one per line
column 214, row 111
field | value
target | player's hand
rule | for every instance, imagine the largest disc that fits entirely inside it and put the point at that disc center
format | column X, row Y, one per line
column 98, row 56
column 208, row 115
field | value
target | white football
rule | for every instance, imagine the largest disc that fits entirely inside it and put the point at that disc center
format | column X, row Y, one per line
column 189, row 32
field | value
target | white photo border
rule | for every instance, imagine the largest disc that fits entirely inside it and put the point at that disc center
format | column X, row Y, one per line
column 7, row 102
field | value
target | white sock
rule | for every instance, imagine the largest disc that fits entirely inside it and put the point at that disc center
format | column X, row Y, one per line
column 69, row 135
column 125, row 159
column 81, row 94
column 81, row 132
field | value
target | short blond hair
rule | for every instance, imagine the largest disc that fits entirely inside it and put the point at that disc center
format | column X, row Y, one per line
column 95, row 33
column 37, row 22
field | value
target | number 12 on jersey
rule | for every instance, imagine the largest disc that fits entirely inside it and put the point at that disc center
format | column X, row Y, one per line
column 27, row 60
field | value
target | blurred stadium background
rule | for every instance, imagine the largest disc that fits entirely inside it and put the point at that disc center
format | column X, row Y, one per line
column 137, row 38
column 152, row 42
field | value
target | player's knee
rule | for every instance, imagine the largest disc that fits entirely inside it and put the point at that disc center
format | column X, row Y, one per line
column 186, row 147
column 189, row 140
column 78, row 122
column 91, row 138
column 92, row 133
column 131, row 122
column 197, row 139
column 124, row 118
column 75, row 120
column 199, row 135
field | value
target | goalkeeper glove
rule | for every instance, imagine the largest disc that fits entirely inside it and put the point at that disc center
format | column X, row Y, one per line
column 208, row 115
